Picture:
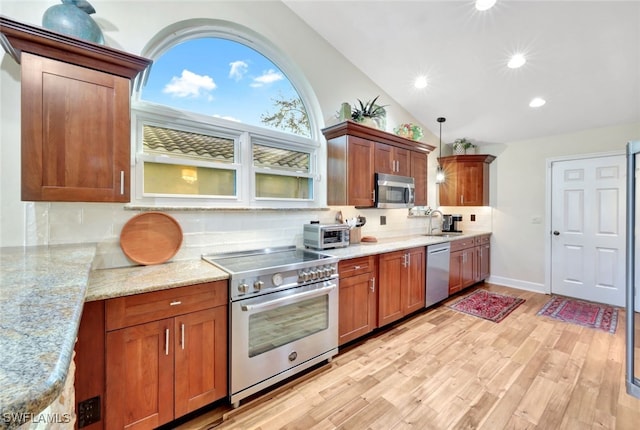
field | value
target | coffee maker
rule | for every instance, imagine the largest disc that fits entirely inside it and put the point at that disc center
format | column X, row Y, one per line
column 449, row 223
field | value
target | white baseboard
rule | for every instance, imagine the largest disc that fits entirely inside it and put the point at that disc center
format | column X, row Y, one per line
column 517, row 283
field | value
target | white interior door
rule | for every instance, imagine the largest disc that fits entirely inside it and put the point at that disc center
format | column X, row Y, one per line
column 588, row 229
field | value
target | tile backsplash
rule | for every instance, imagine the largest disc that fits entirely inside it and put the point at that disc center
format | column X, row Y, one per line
column 212, row 231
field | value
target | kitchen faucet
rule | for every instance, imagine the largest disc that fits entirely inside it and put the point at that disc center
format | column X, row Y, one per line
column 431, row 219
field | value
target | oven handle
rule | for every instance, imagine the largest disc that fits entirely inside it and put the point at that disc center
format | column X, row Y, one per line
column 293, row 298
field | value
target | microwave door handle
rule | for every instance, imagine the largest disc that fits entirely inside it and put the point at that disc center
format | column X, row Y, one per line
column 292, row 298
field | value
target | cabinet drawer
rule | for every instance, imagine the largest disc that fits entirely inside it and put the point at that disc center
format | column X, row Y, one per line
column 459, row 244
column 483, row 240
column 356, row 266
column 141, row 308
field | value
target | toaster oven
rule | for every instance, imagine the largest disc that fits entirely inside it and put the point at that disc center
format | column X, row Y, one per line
column 326, row 236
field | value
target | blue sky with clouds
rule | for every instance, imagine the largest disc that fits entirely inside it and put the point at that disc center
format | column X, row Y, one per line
column 217, row 77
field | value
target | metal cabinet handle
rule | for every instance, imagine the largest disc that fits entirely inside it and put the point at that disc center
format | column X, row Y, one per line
column 182, row 335
column 356, row 267
column 372, row 287
column 121, row 182
column 175, row 303
column 166, row 341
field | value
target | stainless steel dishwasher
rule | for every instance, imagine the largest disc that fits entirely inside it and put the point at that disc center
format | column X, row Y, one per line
column 437, row 282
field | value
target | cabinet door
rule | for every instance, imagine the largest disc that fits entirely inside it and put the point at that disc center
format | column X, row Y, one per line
column 75, row 133
column 468, row 267
column 483, row 256
column 448, row 190
column 139, row 376
column 403, row 165
column 384, row 162
column 360, row 172
column 471, row 183
column 419, row 174
column 200, row 359
column 392, row 276
column 415, row 286
column 355, row 318
column 455, row 272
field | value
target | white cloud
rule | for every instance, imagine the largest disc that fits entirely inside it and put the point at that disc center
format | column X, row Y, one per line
column 266, row 78
column 238, row 69
column 189, row 84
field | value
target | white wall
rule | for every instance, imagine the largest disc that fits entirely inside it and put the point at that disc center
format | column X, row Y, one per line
column 129, row 25
column 518, row 180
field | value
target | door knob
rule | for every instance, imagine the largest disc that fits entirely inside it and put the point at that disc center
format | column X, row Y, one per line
column 556, row 233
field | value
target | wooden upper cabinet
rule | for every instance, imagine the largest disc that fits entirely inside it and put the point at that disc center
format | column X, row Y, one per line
column 392, row 160
column 356, row 152
column 418, row 162
column 75, row 118
column 466, row 180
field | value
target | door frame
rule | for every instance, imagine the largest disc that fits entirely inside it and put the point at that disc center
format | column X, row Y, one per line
column 547, row 210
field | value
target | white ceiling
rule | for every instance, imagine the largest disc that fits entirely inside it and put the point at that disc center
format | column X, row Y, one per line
column 583, row 57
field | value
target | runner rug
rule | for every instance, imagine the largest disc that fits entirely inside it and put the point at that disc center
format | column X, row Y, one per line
column 485, row 304
column 594, row 315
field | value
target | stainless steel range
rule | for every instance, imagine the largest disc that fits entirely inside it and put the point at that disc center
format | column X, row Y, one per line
column 283, row 314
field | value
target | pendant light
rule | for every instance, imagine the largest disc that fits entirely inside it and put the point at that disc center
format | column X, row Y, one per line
column 439, row 170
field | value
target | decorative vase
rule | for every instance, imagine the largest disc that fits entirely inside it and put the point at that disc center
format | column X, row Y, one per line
column 345, row 111
column 470, row 150
column 72, row 18
column 458, row 149
column 369, row 122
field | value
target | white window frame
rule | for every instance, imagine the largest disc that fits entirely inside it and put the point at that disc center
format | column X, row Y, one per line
column 260, row 140
column 144, row 112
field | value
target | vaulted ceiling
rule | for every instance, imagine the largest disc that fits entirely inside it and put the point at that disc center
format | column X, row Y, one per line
column 582, row 57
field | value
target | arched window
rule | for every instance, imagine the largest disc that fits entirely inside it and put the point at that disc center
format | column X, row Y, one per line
column 224, row 119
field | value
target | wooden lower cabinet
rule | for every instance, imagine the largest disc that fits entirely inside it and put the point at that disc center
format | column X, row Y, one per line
column 160, row 370
column 358, row 298
column 469, row 263
column 401, row 288
column 483, row 257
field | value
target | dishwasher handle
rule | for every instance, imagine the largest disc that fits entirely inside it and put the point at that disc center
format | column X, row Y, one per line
column 438, row 251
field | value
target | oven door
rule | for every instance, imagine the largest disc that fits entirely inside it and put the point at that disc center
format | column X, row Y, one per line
column 273, row 336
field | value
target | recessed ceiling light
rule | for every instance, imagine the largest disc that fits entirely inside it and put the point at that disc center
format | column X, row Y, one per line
column 537, row 102
column 516, row 61
column 420, row 82
column 485, row 4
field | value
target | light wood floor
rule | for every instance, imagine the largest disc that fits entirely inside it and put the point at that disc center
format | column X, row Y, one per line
column 446, row 370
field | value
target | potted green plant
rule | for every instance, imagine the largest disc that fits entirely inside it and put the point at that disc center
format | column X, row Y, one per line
column 369, row 113
column 463, row 146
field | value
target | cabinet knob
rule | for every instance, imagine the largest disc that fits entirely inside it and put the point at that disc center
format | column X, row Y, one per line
column 556, row 233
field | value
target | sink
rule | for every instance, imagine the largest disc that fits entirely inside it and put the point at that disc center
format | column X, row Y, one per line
column 443, row 235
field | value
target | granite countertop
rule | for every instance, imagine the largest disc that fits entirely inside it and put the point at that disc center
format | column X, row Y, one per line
column 111, row 283
column 42, row 292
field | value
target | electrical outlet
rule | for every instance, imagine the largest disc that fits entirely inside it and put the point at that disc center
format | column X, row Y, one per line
column 383, row 220
column 473, row 217
column 88, row 411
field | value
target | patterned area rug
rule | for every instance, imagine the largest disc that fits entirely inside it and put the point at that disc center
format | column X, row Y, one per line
column 594, row 315
column 484, row 304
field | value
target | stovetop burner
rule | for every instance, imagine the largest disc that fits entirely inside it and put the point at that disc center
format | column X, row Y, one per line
column 263, row 271
column 260, row 259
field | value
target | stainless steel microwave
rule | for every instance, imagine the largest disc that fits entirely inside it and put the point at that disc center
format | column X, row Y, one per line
column 393, row 191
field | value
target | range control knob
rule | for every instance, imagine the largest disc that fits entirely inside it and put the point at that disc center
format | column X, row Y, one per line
column 277, row 279
column 258, row 285
column 243, row 287
column 301, row 275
